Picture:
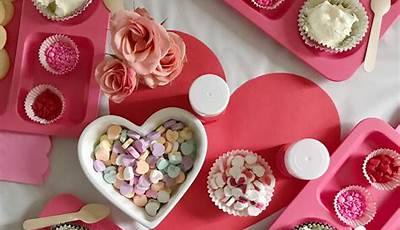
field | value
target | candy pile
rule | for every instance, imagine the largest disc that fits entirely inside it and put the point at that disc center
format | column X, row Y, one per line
column 351, row 204
column 382, row 168
column 241, row 183
column 146, row 169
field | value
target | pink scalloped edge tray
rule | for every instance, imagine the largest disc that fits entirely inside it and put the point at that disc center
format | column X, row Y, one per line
column 25, row 35
column 281, row 25
column 315, row 201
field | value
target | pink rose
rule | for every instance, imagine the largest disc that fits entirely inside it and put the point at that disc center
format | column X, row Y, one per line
column 138, row 40
column 116, row 79
column 170, row 66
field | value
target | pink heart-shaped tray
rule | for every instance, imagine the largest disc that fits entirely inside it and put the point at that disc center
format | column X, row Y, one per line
column 26, row 32
column 264, row 114
column 315, row 201
column 281, row 25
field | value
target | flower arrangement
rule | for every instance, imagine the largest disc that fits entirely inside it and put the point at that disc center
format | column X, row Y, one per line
column 145, row 53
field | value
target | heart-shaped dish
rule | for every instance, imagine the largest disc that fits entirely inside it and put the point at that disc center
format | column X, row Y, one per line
column 93, row 131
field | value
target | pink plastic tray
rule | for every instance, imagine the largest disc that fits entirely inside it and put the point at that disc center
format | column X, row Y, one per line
column 26, row 33
column 315, row 201
column 281, row 24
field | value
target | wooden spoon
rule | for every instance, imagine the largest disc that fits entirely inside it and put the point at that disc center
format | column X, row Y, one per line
column 90, row 213
column 380, row 8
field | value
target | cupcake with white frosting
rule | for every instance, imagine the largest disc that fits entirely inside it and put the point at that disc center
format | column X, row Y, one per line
column 61, row 10
column 333, row 25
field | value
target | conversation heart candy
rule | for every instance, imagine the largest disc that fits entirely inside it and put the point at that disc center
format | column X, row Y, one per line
column 151, row 194
column 131, row 150
column 128, row 173
column 180, row 178
column 155, row 176
column 168, row 147
column 162, row 163
column 161, row 129
column 250, row 159
column 157, row 149
column 168, row 124
column 237, row 161
column 175, row 158
column 186, row 133
column 123, row 136
column 258, row 170
column 126, row 190
column 141, row 145
column 102, row 154
column 177, row 126
column 127, row 143
column 153, row 136
column 132, row 134
column 158, row 186
column 171, row 135
column 187, row 147
column 110, row 174
column 163, row 196
column 140, row 200
column 173, row 171
column 152, row 207
column 117, row 147
column 113, row 132
column 105, row 144
column 187, row 163
column 99, row 166
column 142, row 167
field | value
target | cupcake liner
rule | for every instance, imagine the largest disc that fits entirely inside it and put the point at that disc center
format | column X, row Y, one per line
column 315, row 224
column 358, row 33
column 51, row 16
column 68, row 227
column 369, row 212
column 215, row 168
column 271, row 7
column 383, row 186
column 47, row 43
column 30, row 99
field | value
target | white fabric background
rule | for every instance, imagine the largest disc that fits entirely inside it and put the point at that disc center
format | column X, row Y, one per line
column 245, row 52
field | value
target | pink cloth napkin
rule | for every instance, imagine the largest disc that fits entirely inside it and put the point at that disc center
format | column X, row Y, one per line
column 24, row 157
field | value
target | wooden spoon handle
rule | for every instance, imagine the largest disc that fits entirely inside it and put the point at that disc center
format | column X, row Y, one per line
column 372, row 50
column 48, row 221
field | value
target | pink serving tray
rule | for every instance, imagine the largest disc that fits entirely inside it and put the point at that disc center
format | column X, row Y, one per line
column 315, row 201
column 281, row 25
column 25, row 35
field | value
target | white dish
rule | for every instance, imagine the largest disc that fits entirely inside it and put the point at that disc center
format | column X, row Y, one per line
column 92, row 133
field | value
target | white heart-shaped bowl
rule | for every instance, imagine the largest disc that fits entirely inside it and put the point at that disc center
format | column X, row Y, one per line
column 91, row 134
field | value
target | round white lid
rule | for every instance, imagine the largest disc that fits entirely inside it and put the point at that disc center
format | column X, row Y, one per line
column 209, row 95
column 307, row 159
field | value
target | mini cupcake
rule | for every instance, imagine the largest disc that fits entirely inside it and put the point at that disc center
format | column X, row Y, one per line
column 68, row 227
column 241, row 183
column 354, row 206
column 314, row 226
column 58, row 54
column 267, row 4
column 333, row 25
column 56, row 10
column 44, row 104
column 382, row 169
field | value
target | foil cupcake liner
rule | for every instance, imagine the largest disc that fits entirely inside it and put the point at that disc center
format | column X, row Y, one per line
column 314, row 224
column 369, row 212
column 359, row 29
column 31, row 97
column 51, row 16
column 266, row 7
column 395, row 182
column 216, row 168
column 47, row 43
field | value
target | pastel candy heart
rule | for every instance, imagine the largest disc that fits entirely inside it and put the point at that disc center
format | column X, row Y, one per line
column 110, row 174
column 152, row 207
column 141, row 145
column 142, row 167
column 117, row 147
column 173, row 171
column 134, row 135
column 128, row 173
column 113, row 132
column 140, row 200
column 155, row 176
column 126, row 190
column 99, row 166
column 131, row 150
column 151, row 194
column 168, row 124
column 102, row 154
column 144, row 182
column 250, row 159
column 237, row 161
column 187, row 147
column 153, row 136
column 177, row 126
column 163, row 196
column 162, row 163
column 157, row 149
column 128, row 160
column 175, row 158
column 187, row 163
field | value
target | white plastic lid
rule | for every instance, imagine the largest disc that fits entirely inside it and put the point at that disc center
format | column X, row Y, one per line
column 307, row 159
column 209, row 95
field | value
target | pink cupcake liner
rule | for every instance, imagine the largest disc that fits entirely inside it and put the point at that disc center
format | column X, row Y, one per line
column 276, row 4
column 47, row 43
column 352, row 41
column 216, row 168
column 383, row 186
column 31, row 97
column 51, row 16
column 369, row 212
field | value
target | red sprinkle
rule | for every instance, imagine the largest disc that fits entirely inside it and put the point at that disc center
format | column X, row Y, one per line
column 382, row 168
column 47, row 105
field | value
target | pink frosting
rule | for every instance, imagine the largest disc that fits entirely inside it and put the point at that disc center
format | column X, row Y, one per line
column 139, row 40
column 61, row 57
column 116, row 79
column 170, row 66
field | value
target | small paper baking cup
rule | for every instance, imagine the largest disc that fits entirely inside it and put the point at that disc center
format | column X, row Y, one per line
column 276, row 4
column 31, row 97
column 47, row 43
column 215, row 169
column 395, row 182
column 369, row 212
column 68, row 226
column 358, row 33
column 51, row 16
column 314, row 225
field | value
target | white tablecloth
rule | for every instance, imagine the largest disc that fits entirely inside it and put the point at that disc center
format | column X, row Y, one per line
column 245, row 52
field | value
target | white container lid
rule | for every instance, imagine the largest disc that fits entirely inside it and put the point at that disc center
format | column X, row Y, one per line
column 209, row 95
column 307, row 159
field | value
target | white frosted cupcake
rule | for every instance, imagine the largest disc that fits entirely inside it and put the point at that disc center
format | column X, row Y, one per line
column 241, row 183
column 57, row 10
column 333, row 25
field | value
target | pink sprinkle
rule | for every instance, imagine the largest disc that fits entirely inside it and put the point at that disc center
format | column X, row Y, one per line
column 61, row 57
column 351, row 204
